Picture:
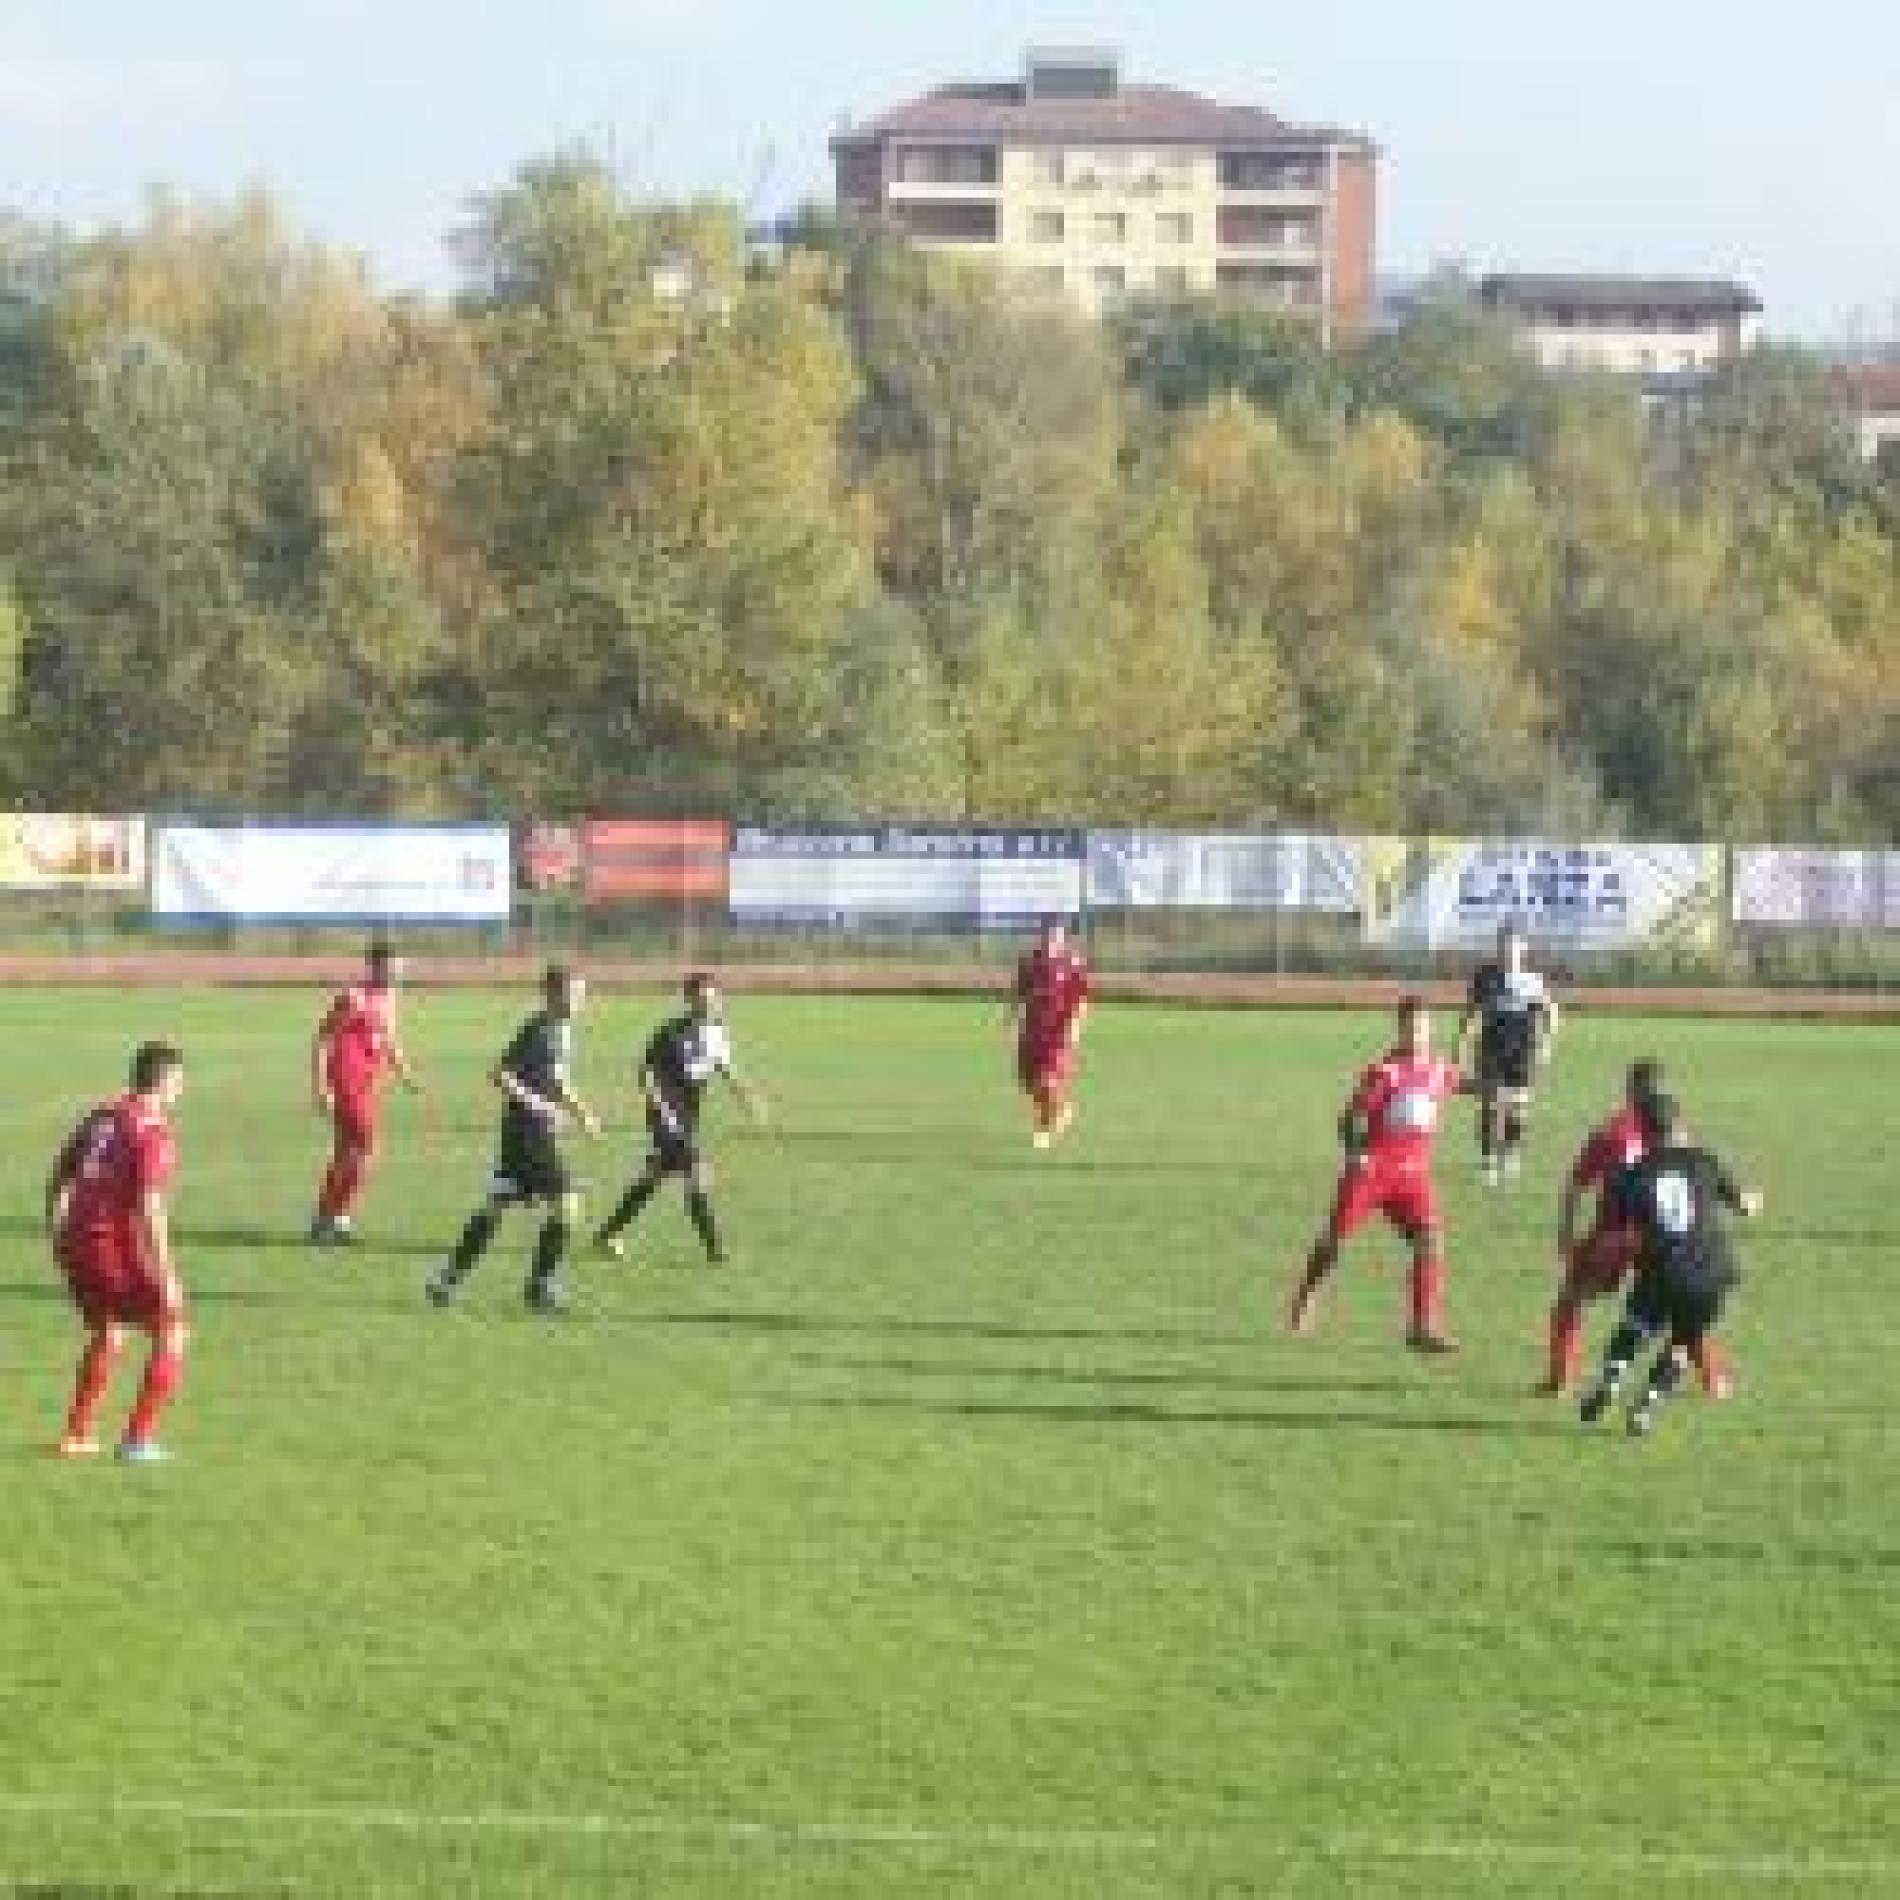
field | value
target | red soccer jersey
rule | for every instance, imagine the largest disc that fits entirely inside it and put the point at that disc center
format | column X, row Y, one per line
column 359, row 1035
column 120, row 1153
column 1051, row 990
column 1614, row 1146
column 1399, row 1097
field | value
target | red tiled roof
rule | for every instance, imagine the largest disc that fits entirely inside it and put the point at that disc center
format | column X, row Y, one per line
column 1133, row 115
column 1873, row 388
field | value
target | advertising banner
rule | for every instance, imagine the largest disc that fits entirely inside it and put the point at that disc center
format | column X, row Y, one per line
column 47, row 851
column 662, row 859
column 332, row 874
column 1453, row 893
column 550, row 857
column 1163, row 870
column 1830, row 890
column 914, row 877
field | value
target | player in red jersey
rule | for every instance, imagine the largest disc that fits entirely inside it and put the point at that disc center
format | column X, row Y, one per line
column 354, row 1047
column 106, row 1212
column 1597, row 1264
column 1387, row 1129
column 1048, row 1007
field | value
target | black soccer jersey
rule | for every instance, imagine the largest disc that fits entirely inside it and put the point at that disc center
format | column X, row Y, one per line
column 682, row 1056
column 1674, row 1198
column 538, row 1058
column 1511, row 1006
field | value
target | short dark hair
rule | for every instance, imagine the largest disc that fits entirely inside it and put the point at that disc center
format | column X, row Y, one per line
column 696, row 983
column 1645, row 1078
column 1658, row 1115
column 558, row 980
column 1412, row 1006
column 380, row 955
column 151, row 1063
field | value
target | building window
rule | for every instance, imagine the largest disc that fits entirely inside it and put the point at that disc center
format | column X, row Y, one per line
column 1172, row 280
column 1046, row 167
column 946, row 165
column 1047, row 227
column 1109, row 227
column 1175, row 227
column 1110, row 281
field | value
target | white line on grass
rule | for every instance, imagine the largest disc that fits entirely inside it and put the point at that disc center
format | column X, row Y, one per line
column 1289, row 1846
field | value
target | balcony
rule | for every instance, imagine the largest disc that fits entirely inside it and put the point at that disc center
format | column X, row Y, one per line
column 948, row 220
column 1282, row 287
column 924, row 172
column 1257, row 232
column 1267, row 180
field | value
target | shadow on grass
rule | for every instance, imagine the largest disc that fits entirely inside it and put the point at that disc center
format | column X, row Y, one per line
column 873, row 1328
column 1331, row 1419
column 1085, row 1376
column 913, row 1147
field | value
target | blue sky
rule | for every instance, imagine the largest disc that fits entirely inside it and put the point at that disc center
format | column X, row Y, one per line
column 1661, row 135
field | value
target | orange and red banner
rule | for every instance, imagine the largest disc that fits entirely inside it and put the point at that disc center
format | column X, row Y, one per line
column 674, row 860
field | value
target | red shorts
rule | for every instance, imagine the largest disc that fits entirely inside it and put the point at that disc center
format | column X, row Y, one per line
column 1044, row 1065
column 1600, row 1261
column 107, row 1278
column 353, row 1117
column 1403, row 1194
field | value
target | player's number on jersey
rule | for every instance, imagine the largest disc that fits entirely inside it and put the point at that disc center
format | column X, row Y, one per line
column 1675, row 1204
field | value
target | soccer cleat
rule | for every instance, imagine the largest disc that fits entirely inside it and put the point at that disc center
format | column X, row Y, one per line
column 547, row 1298
column 439, row 1288
column 72, row 1446
column 1512, row 1165
column 1432, row 1345
column 1640, row 1422
column 1488, row 1171
column 1041, row 1139
column 611, row 1245
column 142, row 1451
column 1597, row 1400
column 1721, row 1386
column 1065, row 1120
column 1548, row 1389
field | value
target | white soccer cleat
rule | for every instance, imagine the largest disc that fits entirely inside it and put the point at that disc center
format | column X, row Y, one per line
column 1041, row 1140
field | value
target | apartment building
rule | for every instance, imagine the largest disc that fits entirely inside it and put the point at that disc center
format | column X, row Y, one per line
column 1871, row 393
column 1656, row 328
column 1102, row 190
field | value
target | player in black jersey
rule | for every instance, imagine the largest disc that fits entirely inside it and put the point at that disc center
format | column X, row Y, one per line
column 1673, row 1200
column 681, row 1057
column 1511, row 1011
column 534, row 1077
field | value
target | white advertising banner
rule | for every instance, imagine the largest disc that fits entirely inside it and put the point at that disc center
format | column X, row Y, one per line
column 1830, row 890
column 931, row 877
column 1166, row 870
column 332, row 874
column 1454, row 893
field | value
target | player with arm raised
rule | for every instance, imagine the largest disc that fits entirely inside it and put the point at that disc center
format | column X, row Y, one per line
column 1387, row 1131
column 1048, row 1006
column 1597, row 1263
column 354, row 1048
column 534, row 1078
column 108, row 1214
column 1674, row 1199
column 681, row 1057
column 1510, row 1011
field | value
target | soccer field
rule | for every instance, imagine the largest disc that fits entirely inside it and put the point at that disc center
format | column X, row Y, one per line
column 976, row 1530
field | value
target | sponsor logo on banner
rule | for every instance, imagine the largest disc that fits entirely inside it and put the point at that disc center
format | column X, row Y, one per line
column 1451, row 893
column 913, row 877
column 670, row 859
column 1156, row 870
column 551, row 857
column 358, row 874
column 49, row 851
column 1834, row 890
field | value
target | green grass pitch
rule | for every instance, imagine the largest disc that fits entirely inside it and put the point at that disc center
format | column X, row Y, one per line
column 976, row 1531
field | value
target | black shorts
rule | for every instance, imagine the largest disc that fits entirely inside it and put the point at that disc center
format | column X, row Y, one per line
column 529, row 1166
column 671, row 1149
column 1684, row 1304
column 1509, row 1063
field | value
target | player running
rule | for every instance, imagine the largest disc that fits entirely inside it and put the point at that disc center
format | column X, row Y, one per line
column 1597, row 1264
column 354, row 1048
column 681, row 1057
column 107, row 1214
column 1048, row 1007
column 1515, row 1019
column 1673, row 1198
column 1387, row 1130
column 534, row 1078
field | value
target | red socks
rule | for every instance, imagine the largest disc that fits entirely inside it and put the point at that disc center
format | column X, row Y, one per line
column 1566, row 1344
column 163, row 1371
column 1428, row 1296
column 89, row 1387
column 342, row 1183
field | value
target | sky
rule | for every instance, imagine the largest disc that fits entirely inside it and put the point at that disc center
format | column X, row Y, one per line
column 1660, row 136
